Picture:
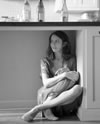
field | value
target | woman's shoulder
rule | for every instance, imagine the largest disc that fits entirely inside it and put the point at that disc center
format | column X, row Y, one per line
column 72, row 59
column 71, row 62
column 45, row 60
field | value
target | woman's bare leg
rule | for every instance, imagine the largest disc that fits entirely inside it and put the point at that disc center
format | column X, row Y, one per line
column 65, row 97
column 77, row 93
column 48, row 113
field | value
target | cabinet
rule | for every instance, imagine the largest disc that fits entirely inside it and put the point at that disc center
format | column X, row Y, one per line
column 83, row 4
column 93, row 68
column 90, row 4
column 90, row 109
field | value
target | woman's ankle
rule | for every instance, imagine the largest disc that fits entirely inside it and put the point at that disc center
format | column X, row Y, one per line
column 39, row 108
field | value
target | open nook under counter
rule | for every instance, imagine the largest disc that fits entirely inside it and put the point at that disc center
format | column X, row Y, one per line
column 21, row 47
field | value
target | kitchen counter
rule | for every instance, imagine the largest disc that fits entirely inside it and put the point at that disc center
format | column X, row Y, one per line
column 49, row 23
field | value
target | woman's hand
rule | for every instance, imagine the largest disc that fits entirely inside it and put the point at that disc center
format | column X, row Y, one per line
column 62, row 70
column 72, row 75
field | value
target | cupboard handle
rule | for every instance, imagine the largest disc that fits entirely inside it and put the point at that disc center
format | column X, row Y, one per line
column 99, row 32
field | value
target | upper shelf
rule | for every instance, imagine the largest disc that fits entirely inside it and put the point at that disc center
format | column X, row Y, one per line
column 49, row 24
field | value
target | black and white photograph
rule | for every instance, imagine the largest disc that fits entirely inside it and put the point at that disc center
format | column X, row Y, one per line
column 49, row 61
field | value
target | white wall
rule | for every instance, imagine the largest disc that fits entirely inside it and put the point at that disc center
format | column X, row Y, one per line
column 13, row 8
column 20, row 54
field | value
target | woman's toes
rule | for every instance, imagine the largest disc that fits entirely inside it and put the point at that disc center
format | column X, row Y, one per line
column 27, row 118
column 49, row 115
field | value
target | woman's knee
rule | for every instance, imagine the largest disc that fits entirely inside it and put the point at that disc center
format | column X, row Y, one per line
column 77, row 90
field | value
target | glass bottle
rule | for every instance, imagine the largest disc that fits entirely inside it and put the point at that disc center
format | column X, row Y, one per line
column 64, row 12
column 40, row 11
column 26, row 11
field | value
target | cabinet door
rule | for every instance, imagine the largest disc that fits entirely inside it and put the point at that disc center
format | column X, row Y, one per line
column 74, row 3
column 90, row 4
column 93, row 68
column 83, row 4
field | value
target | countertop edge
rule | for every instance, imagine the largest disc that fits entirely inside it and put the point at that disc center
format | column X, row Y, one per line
column 49, row 23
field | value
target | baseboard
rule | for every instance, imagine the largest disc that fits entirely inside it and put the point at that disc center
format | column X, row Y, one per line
column 15, row 104
column 16, row 107
column 13, row 111
column 89, row 114
column 17, row 112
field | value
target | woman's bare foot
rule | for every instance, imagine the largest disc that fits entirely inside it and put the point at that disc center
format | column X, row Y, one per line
column 27, row 117
column 49, row 115
column 30, row 115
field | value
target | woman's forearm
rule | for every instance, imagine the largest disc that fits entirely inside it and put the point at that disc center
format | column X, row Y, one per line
column 49, row 82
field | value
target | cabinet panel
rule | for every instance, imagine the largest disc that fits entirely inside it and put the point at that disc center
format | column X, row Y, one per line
column 74, row 3
column 83, row 4
column 90, row 3
column 93, row 69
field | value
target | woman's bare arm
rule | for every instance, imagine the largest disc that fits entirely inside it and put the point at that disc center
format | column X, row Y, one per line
column 72, row 75
column 49, row 82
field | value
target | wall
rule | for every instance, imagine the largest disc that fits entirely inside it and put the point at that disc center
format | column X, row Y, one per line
column 13, row 8
column 20, row 54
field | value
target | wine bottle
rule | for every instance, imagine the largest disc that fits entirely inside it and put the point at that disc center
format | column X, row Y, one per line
column 26, row 11
column 64, row 12
column 40, row 11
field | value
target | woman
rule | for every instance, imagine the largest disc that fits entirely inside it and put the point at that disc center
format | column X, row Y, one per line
column 59, row 77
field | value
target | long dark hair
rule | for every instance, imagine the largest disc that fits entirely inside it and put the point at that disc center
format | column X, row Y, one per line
column 66, row 51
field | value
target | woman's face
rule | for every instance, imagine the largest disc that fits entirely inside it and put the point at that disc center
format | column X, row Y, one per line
column 56, row 44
